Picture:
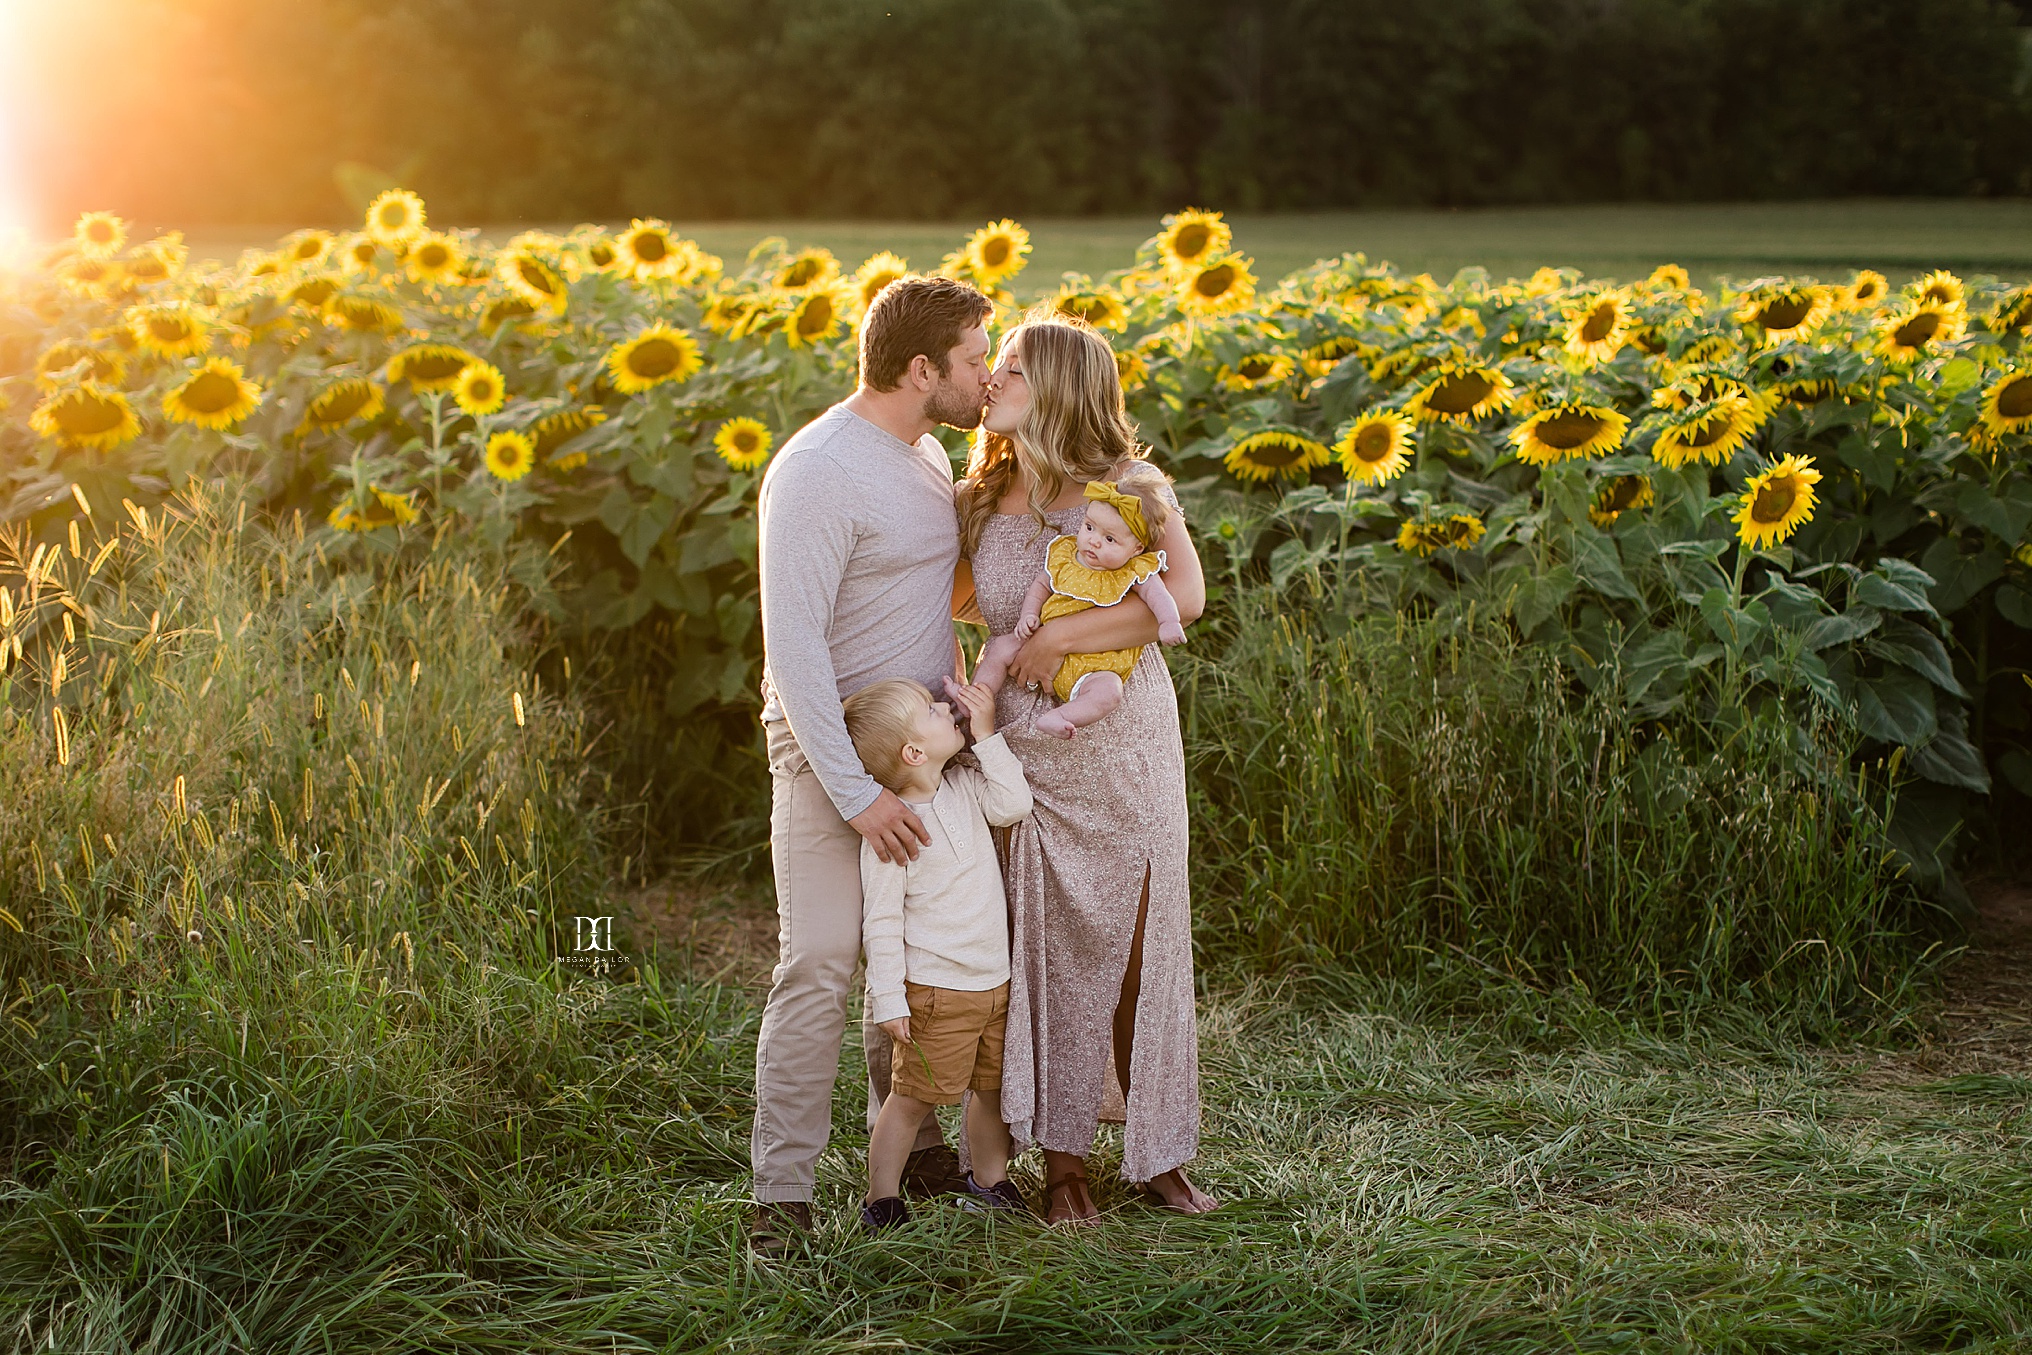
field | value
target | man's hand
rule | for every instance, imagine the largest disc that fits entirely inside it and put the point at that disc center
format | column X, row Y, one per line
column 898, row 1030
column 891, row 827
column 979, row 704
column 1036, row 664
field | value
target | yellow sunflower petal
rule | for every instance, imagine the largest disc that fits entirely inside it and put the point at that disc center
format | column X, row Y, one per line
column 743, row 443
column 659, row 353
column 1776, row 501
column 510, row 455
column 216, row 395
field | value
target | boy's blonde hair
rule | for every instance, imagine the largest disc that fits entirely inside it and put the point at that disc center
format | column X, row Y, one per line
column 881, row 718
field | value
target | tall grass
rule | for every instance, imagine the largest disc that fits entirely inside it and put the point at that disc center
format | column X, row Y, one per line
column 1419, row 795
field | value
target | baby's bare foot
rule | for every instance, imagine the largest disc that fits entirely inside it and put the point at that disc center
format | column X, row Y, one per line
column 1056, row 725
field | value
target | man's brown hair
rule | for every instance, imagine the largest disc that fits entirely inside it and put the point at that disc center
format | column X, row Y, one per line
column 912, row 316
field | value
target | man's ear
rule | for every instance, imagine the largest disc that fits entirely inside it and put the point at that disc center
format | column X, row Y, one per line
column 923, row 374
column 913, row 756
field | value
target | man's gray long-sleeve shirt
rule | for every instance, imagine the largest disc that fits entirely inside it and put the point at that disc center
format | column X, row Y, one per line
column 858, row 544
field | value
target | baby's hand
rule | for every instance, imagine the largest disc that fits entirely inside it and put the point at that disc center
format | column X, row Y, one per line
column 979, row 704
column 1027, row 627
column 899, row 1029
column 1171, row 633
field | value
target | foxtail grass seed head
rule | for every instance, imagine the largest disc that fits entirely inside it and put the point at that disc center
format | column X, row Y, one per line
column 176, row 793
column 63, row 736
column 84, row 504
column 519, row 721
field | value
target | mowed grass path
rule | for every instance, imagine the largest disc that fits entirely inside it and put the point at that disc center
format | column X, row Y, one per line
column 1395, row 1183
column 1617, row 241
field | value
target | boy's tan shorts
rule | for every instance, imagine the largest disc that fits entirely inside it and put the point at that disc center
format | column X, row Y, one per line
column 955, row 1044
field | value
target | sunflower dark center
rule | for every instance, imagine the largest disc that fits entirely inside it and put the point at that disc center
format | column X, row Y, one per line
column 433, row 255
column 1787, row 312
column 995, row 252
column 816, row 315
column 315, row 292
column 1568, row 431
column 601, row 255
column 1601, row 322
column 435, row 366
column 745, row 441
column 1275, row 454
column 394, row 215
column 1257, row 367
column 1215, row 281
column 170, row 328
column 341, row 402
column 1191, row 241
column 651, row 247
column 1624, row 491
column 1375, row 443
column 211, row 392
column 800, row 273
column 1918, row 331
column 1707, row 432
column 653, row 357
column 2014, row 401
column 85, row 414
column 101, row 232
column 536, row 275
column 1774, row 500
column 1460, row 393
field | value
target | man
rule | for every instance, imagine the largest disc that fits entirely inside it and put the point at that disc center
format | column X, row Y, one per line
column 858, row 545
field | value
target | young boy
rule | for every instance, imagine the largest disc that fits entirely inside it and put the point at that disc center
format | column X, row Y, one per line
column 936, row 932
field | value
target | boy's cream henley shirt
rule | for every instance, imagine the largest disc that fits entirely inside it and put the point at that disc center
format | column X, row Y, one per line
column 942, row 920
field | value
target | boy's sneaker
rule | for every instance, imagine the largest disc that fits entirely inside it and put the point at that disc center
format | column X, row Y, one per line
column 933, row 1171
column 887, row 1212
column 1003, row 1195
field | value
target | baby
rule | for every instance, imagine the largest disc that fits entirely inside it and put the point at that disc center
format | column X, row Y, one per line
column 1113, row 552
column 936, row 931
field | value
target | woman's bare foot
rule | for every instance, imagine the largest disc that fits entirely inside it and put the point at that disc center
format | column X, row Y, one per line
column 1174, row 1191
column 1067, row 1198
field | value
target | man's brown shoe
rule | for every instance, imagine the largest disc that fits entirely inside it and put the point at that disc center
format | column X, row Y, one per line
column 934, row 1171
column 772, row 1228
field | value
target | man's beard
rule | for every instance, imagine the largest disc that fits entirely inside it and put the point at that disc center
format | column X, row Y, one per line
column 948, row 405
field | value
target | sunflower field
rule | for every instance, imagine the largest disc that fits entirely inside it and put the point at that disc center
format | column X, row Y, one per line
column 1795, row 495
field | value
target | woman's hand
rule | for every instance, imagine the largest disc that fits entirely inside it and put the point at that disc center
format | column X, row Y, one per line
column 1036, row 663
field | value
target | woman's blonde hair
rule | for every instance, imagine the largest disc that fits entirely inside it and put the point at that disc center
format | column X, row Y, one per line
column 1076, row 428
column 881, row 718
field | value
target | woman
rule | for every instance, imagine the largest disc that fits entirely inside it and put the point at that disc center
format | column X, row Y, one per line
column 1101, row 989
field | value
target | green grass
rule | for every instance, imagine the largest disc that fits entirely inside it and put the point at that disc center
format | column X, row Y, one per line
column 1621, row 241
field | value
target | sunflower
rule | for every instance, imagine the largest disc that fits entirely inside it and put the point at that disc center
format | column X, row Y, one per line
column 1257, row 371
column 340, row 403
column 361, row 313
column 1940, row 288
column 1192, row 237
column 429, row 366
column 876, row 273
column 1617, row 495
column 1864, row 291
column 508, row 310
column 1461, row 531
column 1275, row 453
column 659, row 353
column 313, row 291
column 384, row 510
column 1571, row 431
column 175, row 330
column 510, row 456
column 99, row 235
column 728, row 315
column 1217, row 287
column 647, row 249
column 599, row 253
column 1131, row 367
column 815, row 317
column 479, row 388
column 146, row 268
column 2007, row 406
column 83, row 275
column 1711, row 432
column 395, row 218
column 1461, row 394
column 1418, row 538
column 1597, row 326
column 531, row 279
column 807, row 268
column 359, row 254
column 1669, row 277
column 2014, row 311
column 1911, row 330
column 101, row 368
column 1324, row 356
column 435, row 258
column 305, row 246
column 216, row 395
column 997, row 251
column 1099, row 307
column 85, row 415
column 1807, row 390
column 1708, row 348
column 1785, row 312
column 1457, row 532
column 555, row 430
column 1776, row 501
column 1376, row 447
column 743, row 443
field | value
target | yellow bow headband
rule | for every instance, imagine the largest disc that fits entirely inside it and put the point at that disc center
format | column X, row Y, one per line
column 1128, row 505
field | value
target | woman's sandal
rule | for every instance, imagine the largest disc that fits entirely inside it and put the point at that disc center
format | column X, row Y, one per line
column 1051, row 1189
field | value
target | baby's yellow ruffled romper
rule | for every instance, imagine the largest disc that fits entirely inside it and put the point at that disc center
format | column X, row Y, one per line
column 1074, row 588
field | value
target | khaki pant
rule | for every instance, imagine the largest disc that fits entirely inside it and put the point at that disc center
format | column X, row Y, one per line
column 817, row 856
